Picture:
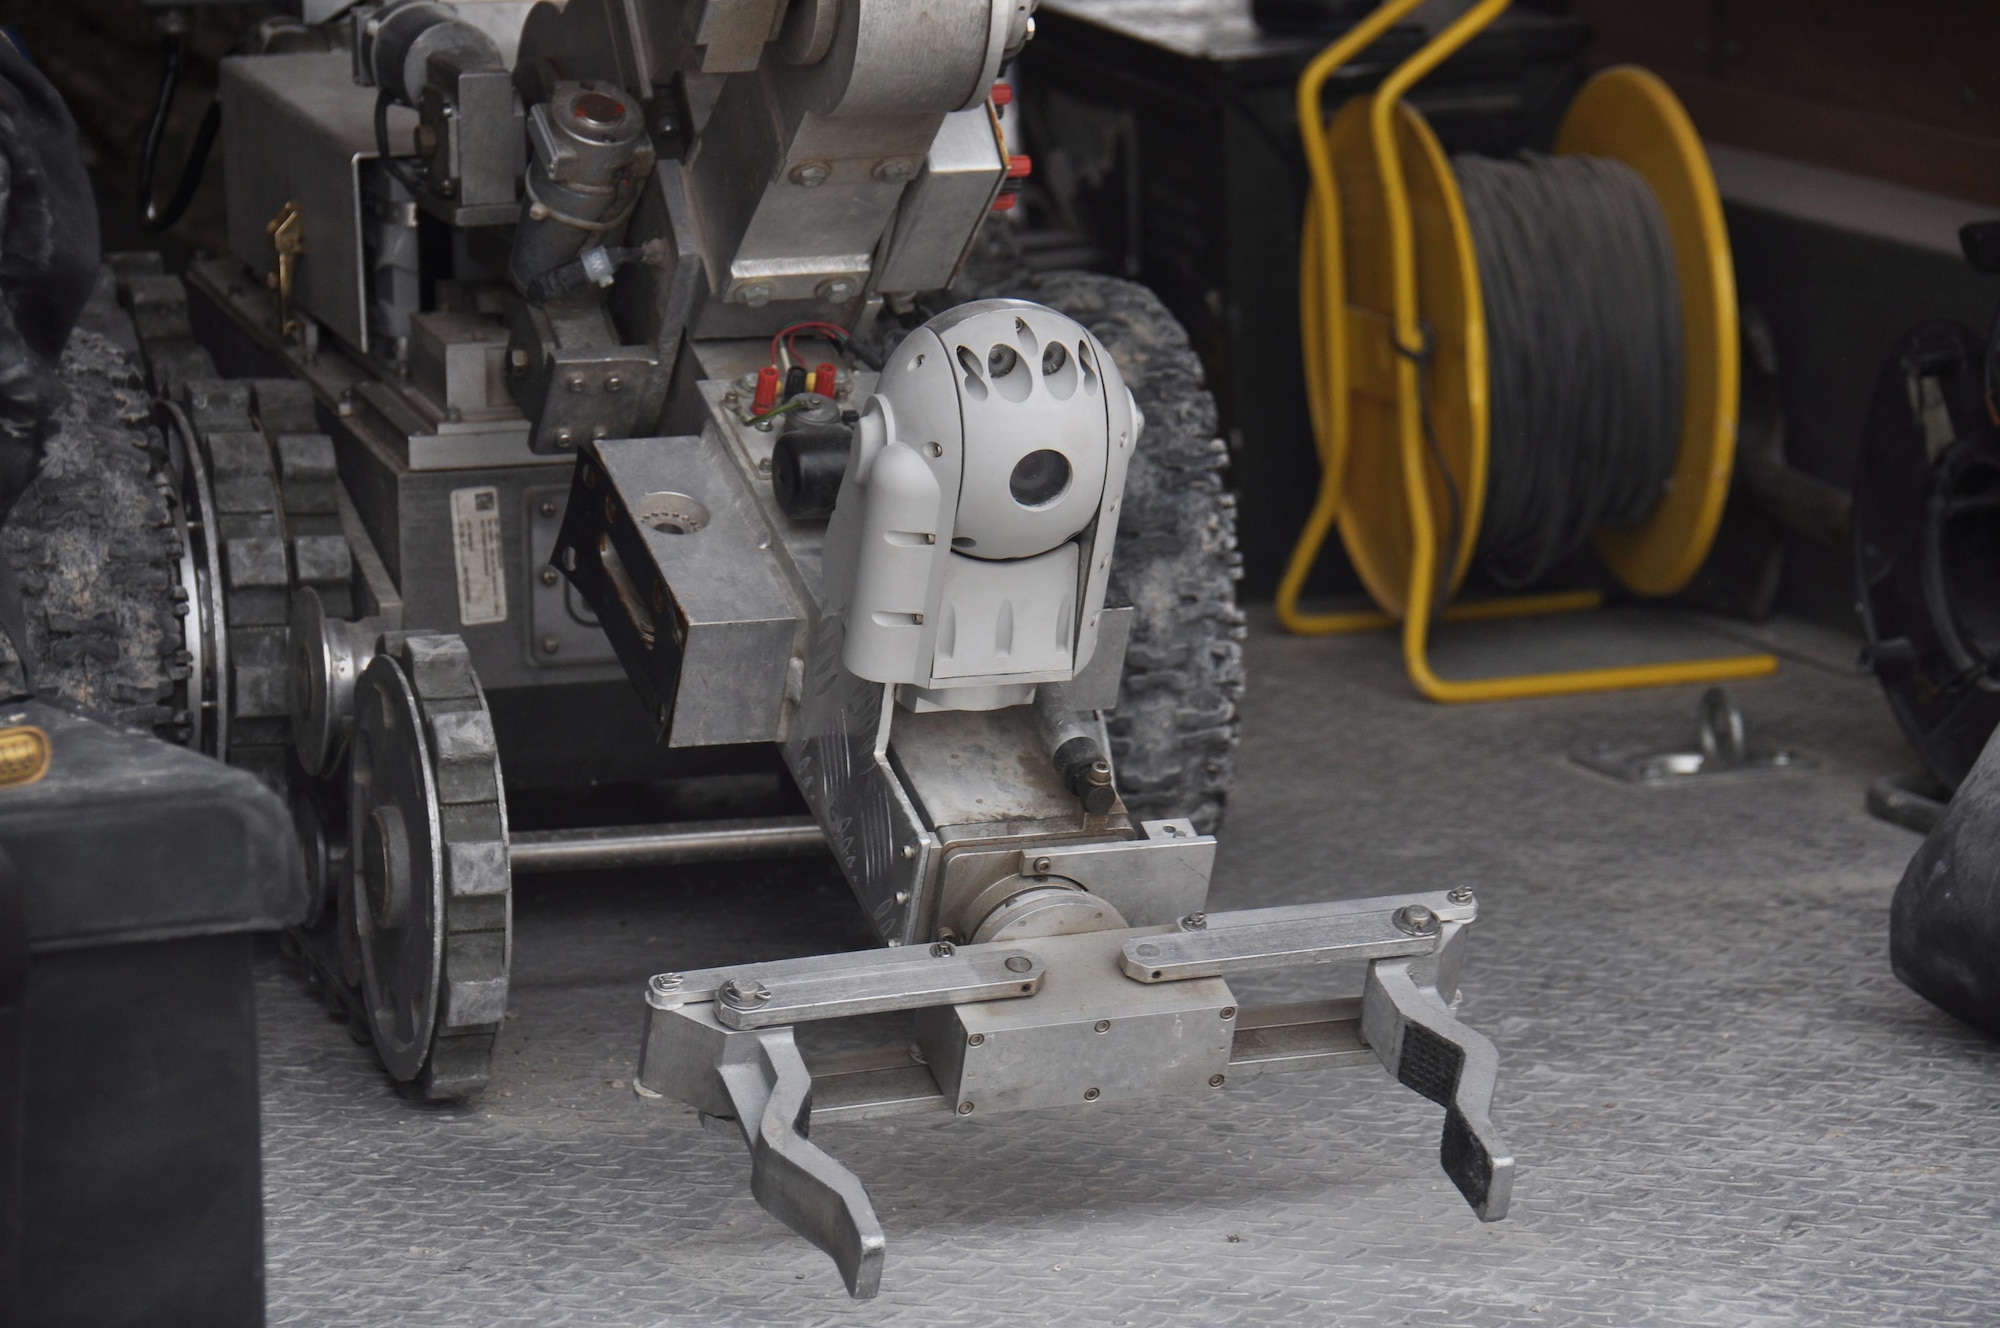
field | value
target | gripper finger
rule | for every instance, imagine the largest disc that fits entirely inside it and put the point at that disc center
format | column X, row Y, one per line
column 1420, row 1041
column 793, row 1179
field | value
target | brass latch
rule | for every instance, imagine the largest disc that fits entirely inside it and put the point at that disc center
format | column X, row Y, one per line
column 288, row 237
column 24, row 755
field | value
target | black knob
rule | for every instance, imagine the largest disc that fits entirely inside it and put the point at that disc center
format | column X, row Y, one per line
column 806, row 466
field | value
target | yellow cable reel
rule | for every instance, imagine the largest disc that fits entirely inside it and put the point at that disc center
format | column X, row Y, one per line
column 1394, row 329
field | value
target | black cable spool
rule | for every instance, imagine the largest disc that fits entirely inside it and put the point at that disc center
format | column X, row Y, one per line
column 1585, row 362
column 1927, row 546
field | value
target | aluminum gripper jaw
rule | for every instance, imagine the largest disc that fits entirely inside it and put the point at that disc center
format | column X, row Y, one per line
column 1099, row 1016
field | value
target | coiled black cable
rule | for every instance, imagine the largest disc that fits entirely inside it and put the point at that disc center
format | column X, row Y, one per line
column 1584, row 355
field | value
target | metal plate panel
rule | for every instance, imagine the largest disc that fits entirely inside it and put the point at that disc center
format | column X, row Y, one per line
column 1090, row 1036
column 1727, row 1109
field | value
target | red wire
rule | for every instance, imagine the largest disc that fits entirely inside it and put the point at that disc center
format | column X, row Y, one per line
column 786, row 334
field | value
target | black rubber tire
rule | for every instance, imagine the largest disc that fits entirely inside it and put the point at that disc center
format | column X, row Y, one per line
column 92, row 540
column 1175, row 731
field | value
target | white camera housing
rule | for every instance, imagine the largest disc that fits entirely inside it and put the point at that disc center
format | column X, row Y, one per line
column 971, row 542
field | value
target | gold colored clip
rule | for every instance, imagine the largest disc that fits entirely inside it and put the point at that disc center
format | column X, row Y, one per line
column 288, row 237
column 24, row 755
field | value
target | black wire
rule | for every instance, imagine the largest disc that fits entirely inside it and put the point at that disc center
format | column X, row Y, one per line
column 1584, row 356
column 152, row 216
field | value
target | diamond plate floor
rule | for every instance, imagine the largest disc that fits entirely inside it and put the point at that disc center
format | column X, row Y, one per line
column 1725, row 1109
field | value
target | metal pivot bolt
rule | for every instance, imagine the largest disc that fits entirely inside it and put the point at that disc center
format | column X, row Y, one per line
column 1461, row 895
column 943, row 950
column 744, row 995
column 665, row 983
column 1194, row 922
column 1019, row 963
column 1417, row 920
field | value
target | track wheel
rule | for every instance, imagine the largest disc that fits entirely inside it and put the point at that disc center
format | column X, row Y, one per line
column 430, row 888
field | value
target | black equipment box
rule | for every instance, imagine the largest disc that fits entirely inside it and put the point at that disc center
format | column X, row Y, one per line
column 1166, row 149
column 130, row 1190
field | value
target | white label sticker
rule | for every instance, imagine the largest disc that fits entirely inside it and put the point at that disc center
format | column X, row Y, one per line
column 475, row 541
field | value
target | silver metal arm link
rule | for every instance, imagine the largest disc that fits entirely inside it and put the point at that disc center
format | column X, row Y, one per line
column 795, row 1181
column 1420, row 1041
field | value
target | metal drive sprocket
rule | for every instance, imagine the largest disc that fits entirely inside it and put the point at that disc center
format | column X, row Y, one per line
column 430, row 884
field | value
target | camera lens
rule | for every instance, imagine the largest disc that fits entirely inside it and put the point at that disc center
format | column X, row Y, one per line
column 1039, row 478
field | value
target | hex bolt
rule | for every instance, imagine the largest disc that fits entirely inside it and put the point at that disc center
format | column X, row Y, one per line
column 1194, row 922
column 549, row 508
column 811, row 174
column 1091, row 1094
column 550, row 576
column 1217, row 1080
column 1102, row 1025
column 743, row 995
column 895, row 170
column 575, row 383
column 1462, row 895
column 965, row 1108
column 614, row 384
column 909, row 850
column 1019, row 963
column 564, row 440
column 550, row 645
column 943, row 950
column 763, row 465
column 517, row 362
column 976, row 1040
column 1228, row 1012
column 839, row 290
column 757, row 294
column 665, row 982
column 1416, row 920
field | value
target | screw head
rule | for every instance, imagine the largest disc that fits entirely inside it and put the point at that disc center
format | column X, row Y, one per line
column 763, row 465
column 1416, row 920
column 837, row 291
column 1091, row 1094
column 564, row 439
column 550, row 576
column 1461, row 895
column 550, row 645
column 757, row 294
column 517, row 362
column 549, row 508
column 1195, row 922
column 965, row 1108
column 1228, row 1012
column 1217, row 1080
column 744, row 995
column 1102, row 1025
column 943, row 950
column 895, row 170
column 1042, row 866
column 811, row 174
column 574, row 383
column 976, row 1040
column 1019, row 963
column 665, row 982
column 614, row 384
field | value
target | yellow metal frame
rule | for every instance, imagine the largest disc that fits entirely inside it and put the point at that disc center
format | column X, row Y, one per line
column 1335, row 356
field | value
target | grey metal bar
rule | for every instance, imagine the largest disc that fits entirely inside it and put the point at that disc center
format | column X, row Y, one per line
column 674, row 844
